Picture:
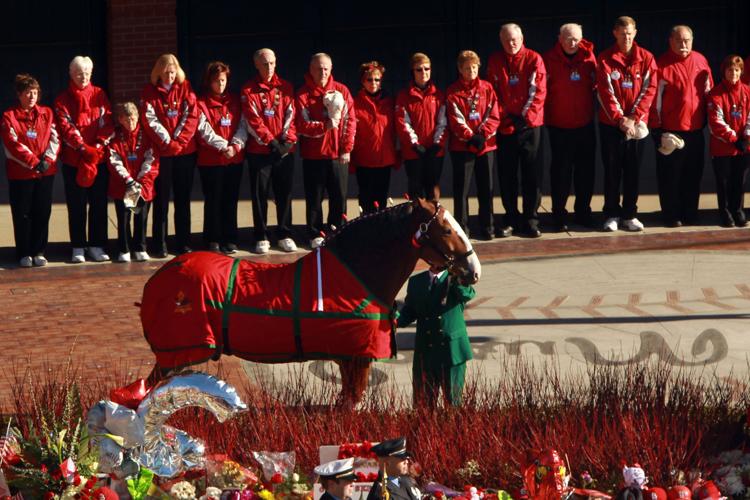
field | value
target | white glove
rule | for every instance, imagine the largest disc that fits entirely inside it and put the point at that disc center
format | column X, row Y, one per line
column 345, row 158
column 334, row 102
column 640, row 131
column 670, row 142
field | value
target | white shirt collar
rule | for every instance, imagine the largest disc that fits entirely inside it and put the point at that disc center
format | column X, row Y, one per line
column 438, row 275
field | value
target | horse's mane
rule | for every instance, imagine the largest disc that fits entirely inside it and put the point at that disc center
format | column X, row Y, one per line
column 370, row 231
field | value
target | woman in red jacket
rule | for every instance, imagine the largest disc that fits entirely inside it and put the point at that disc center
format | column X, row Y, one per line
column 374, row 154
column 169, row 117
column 31, row 146
column 422, row 130
column 728, row 107
column 473, row 118
column 221, row 150
column 133, row 166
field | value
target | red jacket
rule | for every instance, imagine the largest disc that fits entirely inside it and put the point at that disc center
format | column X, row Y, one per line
column 421, row 119
column 268, row 108
column 571, row 83
column 375, row 123
column 520, row 83
column 170, row 115
column 83, row 117
column 220, row 124
column 625, row 85
column 681, row 89
column 746, row 73
column 728, row 107
column 131, row 155
column 28, row 137
column 472, row 108
column 317, row 143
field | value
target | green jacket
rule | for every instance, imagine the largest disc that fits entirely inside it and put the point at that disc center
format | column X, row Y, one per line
column 441, row 330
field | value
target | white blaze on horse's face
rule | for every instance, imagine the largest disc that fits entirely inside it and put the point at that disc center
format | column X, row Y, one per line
column 473, row 265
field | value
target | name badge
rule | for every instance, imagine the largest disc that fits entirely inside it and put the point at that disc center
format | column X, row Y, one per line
column 132, row 157
column 31, row 134
column 225, row 122
column 513, row 80
column 269, row 112
column 736, row 113
column 172, row 113
column 627, row 84
column 575, row 76
column 474, row 116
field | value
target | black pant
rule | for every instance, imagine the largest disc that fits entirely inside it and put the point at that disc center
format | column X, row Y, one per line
column 221, row 193
column 264, row 174
column 679, row 177
column 730, row 186
column 134, row 240
column 464, row 165
column 30, row 207
column 77, row 197
column 320, row 176
column 519, row 151
column 573, row 159
column 373, row 186
column 622, row 163
column 175, row 172
column 423, row 177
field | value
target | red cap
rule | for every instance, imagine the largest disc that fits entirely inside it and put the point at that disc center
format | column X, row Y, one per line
column 678, row 493
column 654, row 493
column 708, row 490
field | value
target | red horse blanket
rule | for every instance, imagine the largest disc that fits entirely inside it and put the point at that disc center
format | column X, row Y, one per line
column 201, row 304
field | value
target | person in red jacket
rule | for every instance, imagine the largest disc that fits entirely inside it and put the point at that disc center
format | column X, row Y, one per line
column 84, row 121
column 422, row 129
column 133, row 165
column 326, row 124
column 169, row 116
column 626, row 85
column 31, row 146
column 221, row 138
column 473, row 118
column 677, row 118
column 268, row 108
column 374, row 158
column 569, row 117
column 729, row 123
column 518, row 75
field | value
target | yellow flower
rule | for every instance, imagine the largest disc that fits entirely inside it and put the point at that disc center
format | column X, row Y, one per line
column 266, row 495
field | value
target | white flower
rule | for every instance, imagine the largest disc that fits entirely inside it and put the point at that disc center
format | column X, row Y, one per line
column 731, row 484
column 295, row 478
column 212, row 493
column 182, row 491
column 731, row 457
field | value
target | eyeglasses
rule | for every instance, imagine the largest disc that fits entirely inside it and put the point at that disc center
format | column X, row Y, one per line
column 422, row 70
column 373, row 79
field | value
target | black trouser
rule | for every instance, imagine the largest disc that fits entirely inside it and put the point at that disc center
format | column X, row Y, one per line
column 264, row 174
column 77, row 197
column 221, row 193
column 679, row 177
column 320, row 176
column 30, row 208
column 175, row 172
column 519, row 151
column 464, row 165
column 373, row 186
column 134, row 240
column 423, row 177
column 622, row 163
column 573, row 159
column 730, row 186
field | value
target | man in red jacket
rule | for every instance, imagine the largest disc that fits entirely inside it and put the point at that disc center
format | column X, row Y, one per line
column 569, row 116
column 677, row 118
column 518, row 75
column 268, row 108
column 626, row 85
column 326, row 126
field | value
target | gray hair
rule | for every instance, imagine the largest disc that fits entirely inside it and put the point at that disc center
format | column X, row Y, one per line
column 510, row 27
column 570, row 27
column 80, row 62
column 320, row 55
column 126, row 109
column 679, row 27
column 259, row 53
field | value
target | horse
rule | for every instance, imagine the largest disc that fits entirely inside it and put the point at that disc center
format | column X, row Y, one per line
column 335, row 303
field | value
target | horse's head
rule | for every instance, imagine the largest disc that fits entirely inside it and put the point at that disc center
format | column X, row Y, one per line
column 442, row 243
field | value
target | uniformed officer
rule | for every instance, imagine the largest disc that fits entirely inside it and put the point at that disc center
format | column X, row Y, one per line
column 337, row 478
column 394, row 458
column 441, row 348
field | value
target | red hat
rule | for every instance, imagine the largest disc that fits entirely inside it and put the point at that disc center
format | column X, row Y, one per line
column 679, row 493
column 708, row 490
column 105, row 493
column 654, row 493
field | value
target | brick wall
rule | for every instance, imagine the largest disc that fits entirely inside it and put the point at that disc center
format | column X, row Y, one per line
column 139, row 32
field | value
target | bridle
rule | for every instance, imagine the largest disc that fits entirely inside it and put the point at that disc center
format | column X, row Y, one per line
column 422, row 239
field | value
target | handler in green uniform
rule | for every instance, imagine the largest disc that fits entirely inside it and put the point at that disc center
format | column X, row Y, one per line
column 436, row 301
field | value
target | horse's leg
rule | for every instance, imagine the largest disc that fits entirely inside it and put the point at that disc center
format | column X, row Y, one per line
column 354, row 376
column 156, row 375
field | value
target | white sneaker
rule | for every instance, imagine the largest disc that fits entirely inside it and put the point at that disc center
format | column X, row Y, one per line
column 316, row 242
column 40, row 261
column 611, row 224
column 141, row 256
column 124, row 257
column 287, row 245
column 632, row 225
column 25, row 262
column 78, row 256
column 97, row 254
column 263, row 246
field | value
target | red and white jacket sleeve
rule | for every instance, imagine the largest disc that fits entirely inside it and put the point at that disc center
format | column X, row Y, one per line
column 67, row 129
column 14, row 149
column 404, row 129
column 106, row 125
column 648, row 90
column 348, row 126
column 533, row 108
column 457, row 119
column 605, row 91
column 491, row 118
column 717, row 122
column 305, row 124
column 186, row 127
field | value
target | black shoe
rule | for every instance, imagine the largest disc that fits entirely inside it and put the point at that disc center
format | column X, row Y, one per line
column 587, row 221
column 740, row 222
column 213, row 247
column 503, row 231
column 673, row 223
column 727, row 222
column 559, row 225
column 159, row 254
column 533, row 232
column 485, row 236
column 184, row 250
column 229, row 248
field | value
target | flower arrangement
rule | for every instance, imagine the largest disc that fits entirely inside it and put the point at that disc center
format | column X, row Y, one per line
column 356, row 450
